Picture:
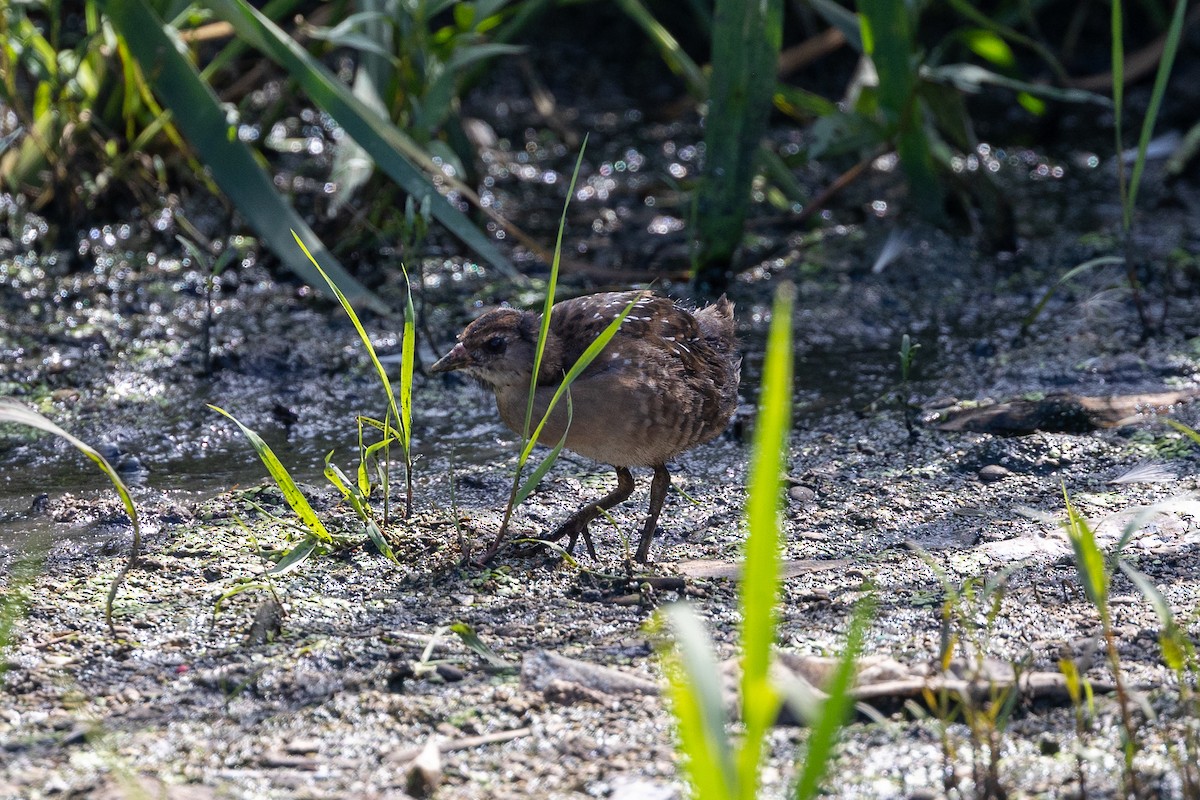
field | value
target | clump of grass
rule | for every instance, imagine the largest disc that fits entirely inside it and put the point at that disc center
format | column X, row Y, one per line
column 1095, row 575
column 717, row 768
column 316, row 533
column 396, row 426
column 1096, row 571
column 400, row 412
column 968, row 619
column 13, row 411
column 523, row 486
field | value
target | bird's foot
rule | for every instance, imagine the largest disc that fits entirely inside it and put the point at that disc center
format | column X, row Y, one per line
column 574, row 528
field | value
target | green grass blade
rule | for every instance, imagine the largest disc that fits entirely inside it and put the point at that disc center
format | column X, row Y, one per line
column 840, row 17
column 759, row 588
column 551, row 288
column 1174, row 643
column 888, row 38
column 392, row 150
column 837, row 706
column 698, row 705
column 201, row 117
column 1089, row 558
column 291, row 492
column 367, row 452
column 408, row 359
column 589, row 355
column 470, row 638
column 294, row 557
column 542, row 468
column 1191, row 433
column 1170, row 48
column 362, row 332
column 334, row 474
column 972, row 78
column 15, row 412
column 1117, row 27
column 668, row 47
column 1007, row 33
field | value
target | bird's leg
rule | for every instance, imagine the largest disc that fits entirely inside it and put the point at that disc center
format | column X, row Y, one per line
column 578, row 522
column 658, row 493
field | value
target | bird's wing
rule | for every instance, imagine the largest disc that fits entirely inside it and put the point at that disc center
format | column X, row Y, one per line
column 651, row 320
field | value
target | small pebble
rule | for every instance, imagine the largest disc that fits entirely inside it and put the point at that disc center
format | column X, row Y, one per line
column 802, row 494
column 993, row 472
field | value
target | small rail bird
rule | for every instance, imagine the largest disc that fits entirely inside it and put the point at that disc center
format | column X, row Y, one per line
column 666, row 382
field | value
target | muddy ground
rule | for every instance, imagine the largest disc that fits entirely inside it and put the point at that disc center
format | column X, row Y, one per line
column 335, row 694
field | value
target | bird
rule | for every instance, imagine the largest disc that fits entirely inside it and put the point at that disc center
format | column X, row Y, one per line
column 666, row 382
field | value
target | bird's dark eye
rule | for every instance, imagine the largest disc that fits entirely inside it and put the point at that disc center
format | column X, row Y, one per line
column 496, row 345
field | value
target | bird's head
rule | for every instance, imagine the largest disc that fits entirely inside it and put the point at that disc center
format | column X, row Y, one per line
column 497, row 349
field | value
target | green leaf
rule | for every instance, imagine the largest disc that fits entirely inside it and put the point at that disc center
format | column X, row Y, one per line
column 471, row 639
column 362, row 332
column 1191, row 433
column 759, row 587
column 840, row 17
column 201, row 117
column 543, row 467
column 669, row 48
column 393, row 152
column 745, row 56
column 408, row 358
column 334, row 475
column 589, row 355
column 972, row 78
column 551, row 289
column 1089, row 558
column 1176, row 648
column 294, row 557
column 15, row 412
column 888, row 30
column 990, row 47
column 291, row 492
column 698, row 704
column 1170, row 48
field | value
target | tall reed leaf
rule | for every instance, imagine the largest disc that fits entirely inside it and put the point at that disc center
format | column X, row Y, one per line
column 746, row 43
column 291, row 492
column 888, row 38
column 759, row 590
column 589, row 355
column 1170, row 48
column 201, row 117
column 13, row 411
column 542, row 468
column 408, row 359
column 528, row 441
column 392, row 150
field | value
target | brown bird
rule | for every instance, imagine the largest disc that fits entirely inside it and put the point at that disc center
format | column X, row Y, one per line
column 666, row 382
